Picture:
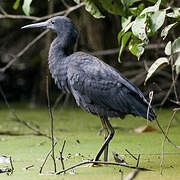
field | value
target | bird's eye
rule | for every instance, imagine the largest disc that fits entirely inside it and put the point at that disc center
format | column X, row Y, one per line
column 52, row 22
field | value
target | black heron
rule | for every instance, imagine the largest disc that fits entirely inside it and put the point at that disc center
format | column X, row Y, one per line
column 97, row 87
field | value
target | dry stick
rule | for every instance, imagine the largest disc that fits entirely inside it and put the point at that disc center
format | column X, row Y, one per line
column 5, row 15
column 102, row 162
column 116, row 50
column 149, row 105
column 173, row 79
column 169, row 91
column 20, row 120
column 138, row 160
column 58, row 99
column 51, row 121
column 121, row 172
column 12, row 167
column 131, row 154
column 167, row 130
column 41, row 168
column 65, row 12
column 23, row 51
column 166, row 135
column 61, row 157
column 28, row 167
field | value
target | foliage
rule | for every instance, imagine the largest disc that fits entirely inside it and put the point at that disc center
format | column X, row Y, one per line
column 25, row 7
column 170, row 50
column 139, row 23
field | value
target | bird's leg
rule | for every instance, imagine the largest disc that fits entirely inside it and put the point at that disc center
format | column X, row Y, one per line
column 108, row 139
column 106, row 133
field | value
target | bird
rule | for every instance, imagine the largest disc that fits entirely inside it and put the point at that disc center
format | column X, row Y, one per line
column 97, row 87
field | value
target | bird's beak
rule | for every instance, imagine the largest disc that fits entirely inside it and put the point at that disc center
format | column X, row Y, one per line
column 36, row 25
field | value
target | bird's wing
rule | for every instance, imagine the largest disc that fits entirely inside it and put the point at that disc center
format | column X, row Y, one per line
column 93, row 82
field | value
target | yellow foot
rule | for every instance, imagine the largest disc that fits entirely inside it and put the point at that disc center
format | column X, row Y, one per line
column 95, row 165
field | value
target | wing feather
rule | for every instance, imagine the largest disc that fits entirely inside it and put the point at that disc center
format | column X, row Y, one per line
column 100, row 89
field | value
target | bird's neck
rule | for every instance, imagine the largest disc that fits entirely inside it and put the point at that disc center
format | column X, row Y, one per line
column 61, row 47
column 58, row 61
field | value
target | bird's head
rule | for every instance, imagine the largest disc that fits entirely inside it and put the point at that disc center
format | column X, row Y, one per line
column 59, row 24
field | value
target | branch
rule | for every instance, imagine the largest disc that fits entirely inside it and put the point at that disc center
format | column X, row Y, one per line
column 41, row 168
column 102, row 162
column 15, row 58
column 51, row 122
column 12, row 167
column 150, row 101
column 116, row 50
column 66, row 12
column 5, row 15
column 165, row 133
column 61, row 153
column 19, row 120
column 167, row 130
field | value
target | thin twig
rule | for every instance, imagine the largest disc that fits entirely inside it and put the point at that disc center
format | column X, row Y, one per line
column 65, row 4
column 51, row 122
column 173, row 77
column 28, row 167
column 5, row 15
column 166, row 135
column 149, row 105
column 122, row 174
column 131, row 154
column 65, row 12
column 101, row 162
column 23, row 51
column 58, row 99
column 12, row 167
column 12, row 111
column 167, row 130
column 137, row 164
column 41, row 168
column 61, row 155
column 169, row 91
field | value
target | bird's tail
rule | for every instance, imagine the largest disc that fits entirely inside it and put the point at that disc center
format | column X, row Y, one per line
column 140, row 107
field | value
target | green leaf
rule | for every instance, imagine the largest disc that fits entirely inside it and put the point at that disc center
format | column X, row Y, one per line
column 129, row 2
column 139, row 26
column 175, row 13
column 177, row 65
column 120, row 34
column 136, row 11
column 16, row 4
column 125, row 21
column 176, row 45
column 123, row 31
column 165, row 31
column 136, row 47
column 151, row 8
column 77, row 1
column 26, row 7
column 112, row 6
column 124, row 41
column 156, row 20
column 168, row 49
column 92, row 9
column 155, row 66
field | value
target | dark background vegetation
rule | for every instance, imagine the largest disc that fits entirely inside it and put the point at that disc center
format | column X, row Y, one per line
column 25, row 80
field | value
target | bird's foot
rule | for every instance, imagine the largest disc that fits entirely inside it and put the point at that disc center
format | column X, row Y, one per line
column 95, row 165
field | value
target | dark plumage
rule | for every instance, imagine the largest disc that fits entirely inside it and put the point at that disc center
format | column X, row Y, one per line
column 97, row 87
